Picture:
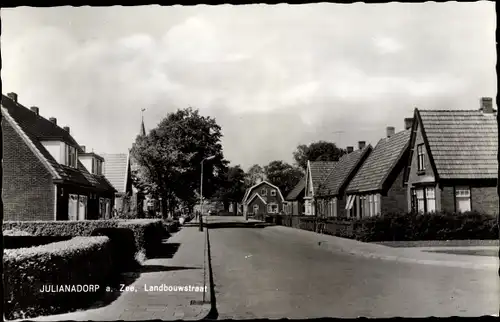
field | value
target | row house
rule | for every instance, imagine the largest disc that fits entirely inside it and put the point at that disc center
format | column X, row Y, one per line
column 47, row 175
column 295, row 199
column 453, row 163
column 331, row 198
column 316, row 173
column 263, row 198
column 378, row 187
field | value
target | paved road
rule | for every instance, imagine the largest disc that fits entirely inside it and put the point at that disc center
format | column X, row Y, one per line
column 266, row 273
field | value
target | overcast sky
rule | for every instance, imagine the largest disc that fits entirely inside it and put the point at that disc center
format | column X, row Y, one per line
column 272, row 76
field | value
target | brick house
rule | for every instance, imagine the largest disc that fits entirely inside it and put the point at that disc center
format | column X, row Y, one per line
column 331, row 197
column 295, row 199
column 263, row 198
column 453, row 162
column 316, row 173
column 378, row 187
column 44, row 176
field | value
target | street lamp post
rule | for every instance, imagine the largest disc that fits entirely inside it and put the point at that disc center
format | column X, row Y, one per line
column 201, row 190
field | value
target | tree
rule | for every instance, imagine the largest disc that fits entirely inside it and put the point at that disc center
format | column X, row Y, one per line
column 170, row 158
column 254, row 175
column 317, row 151
column 233, row 186
column 283, row 175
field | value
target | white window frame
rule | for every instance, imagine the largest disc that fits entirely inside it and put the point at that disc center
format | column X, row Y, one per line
column 430, row 199
column 255, row 209
column 420, row 197
column 376, row 202
column 370, row 206
column 463, row 193
column 420, row 157
column 263, row 192
column 273, row 193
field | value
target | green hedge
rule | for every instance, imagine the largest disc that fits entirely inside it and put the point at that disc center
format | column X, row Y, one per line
column 12, row 242
column 434, row 226
column 79, row 261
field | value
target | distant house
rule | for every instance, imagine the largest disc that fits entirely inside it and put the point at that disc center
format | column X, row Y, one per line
column 378, row 186
column 316, row 173
column 45, row 172
column 295, row 199
column 453, row 163
column 263, row 198
column 331, row 198
column 118, row 172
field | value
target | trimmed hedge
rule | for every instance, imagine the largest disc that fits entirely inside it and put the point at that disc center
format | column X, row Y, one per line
column 434, row 226
column 147, row 232
column 81, row 261
column 398, row 226
column 12, row 242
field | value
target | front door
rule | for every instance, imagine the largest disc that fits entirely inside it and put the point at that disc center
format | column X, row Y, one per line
column 82, row 208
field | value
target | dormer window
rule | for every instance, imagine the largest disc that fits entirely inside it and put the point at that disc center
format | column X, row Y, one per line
column 71, row 156
column 96, row 166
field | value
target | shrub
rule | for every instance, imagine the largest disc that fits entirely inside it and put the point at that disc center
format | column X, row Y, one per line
column 11, row 242
column 433, row 226
column 79, row 261
column 16, row 232
column 146, row 232
column 123, row 247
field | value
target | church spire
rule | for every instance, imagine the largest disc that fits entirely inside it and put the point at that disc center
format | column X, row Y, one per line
column 143, row 129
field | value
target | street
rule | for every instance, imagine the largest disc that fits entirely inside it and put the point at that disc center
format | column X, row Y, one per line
column 269, row 273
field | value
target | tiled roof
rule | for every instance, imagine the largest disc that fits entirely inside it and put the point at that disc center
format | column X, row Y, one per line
column 319, row 171
column 115, row 170
column 379, row 163
column 36, row 128
column 464, row 144
column 102, row 183
column 292, row 195
column 343, row 169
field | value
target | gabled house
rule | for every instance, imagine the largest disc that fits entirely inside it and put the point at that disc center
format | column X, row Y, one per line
column 44, row 176
column 263, row 198
column 453, row 162
column 295, row 199
column 378, row 186
column 118, row 172
column 331, row 198
column 316, row 173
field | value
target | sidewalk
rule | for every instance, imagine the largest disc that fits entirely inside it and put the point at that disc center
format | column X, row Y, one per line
column 186, row 268
column 408, row 255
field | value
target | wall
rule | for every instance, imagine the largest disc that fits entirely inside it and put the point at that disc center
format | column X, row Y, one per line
column 484, row 200
column 28, row 192
column 54, row 148
column 395, row 199
column 257, row 201
column 415, row 176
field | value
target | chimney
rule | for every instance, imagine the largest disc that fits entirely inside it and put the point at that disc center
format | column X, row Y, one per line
column 361, row 144
column 487, row 105
column 12, row 96
column 35, row 110
column 53, row 120
column 390, row 130
column 350, row 149
column 83, row 148
column 408, row 123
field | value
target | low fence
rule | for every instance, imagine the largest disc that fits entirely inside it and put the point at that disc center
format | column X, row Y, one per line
column 341, row 227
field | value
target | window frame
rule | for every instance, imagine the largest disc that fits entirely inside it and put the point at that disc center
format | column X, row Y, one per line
column 269, row 208
column 467, row 196
column 273, row 193
column 420, row 157
column 263, row 192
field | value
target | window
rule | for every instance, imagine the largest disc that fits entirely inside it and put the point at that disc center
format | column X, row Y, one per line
column 462, row 199
column 376, row 204
column 421, row 157
column 96, row 166
column 420, row 200
column 70, row 156
column 370, row 205
column 263, row 192
column 273, row 193
column 413, row 200
column 430, row 196
column 362, row 206
column 272, row 208
column 285, row 208
column 77, row 207
column 255, row 209
column 334, row 207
